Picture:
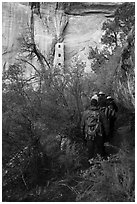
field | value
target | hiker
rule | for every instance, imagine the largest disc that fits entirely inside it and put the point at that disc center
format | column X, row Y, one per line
column 91, row 127
column 101, row 99
column 95, row 96
column 111, row 111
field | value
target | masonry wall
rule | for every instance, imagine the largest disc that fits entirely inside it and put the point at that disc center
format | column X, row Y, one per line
column 59, row 55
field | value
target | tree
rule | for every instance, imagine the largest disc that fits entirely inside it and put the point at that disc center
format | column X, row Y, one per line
column 117, row 29
column 125, row 16
column 110, row 37
column 98, row 58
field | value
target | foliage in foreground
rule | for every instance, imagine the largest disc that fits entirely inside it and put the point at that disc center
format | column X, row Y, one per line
column 69, row 178
column 45, row 109
column 109, row 180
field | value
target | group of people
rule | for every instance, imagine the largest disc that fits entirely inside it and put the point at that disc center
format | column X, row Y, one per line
column 97, row 124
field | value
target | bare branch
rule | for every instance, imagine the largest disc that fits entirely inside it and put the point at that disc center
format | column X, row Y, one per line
column 31, row 65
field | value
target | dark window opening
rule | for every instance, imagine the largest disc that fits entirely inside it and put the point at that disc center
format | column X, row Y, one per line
column 59, row 64
column 59, row 46
column 59, row 55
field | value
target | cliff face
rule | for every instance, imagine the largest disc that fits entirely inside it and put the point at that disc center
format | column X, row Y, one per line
column 14, row 20
column 77, row 25
column 124, row 79
column 81, row 33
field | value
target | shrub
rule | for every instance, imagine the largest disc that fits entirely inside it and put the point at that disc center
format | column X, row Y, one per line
column 110, row 180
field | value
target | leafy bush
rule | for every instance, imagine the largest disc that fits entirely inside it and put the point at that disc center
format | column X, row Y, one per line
column 41, row 110
column 71, row 160
column 110, row 180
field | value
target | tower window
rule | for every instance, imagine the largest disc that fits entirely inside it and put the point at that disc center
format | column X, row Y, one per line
column 59, row 46
column 59, row 55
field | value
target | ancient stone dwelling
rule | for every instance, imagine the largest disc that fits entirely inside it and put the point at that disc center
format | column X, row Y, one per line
column 76, row 26
column 59, row 55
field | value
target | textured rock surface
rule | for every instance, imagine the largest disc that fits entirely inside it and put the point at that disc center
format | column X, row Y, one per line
column 15, row 18
column 78, row 26
column 83, row 28
column 81, row 33
column 124, row 80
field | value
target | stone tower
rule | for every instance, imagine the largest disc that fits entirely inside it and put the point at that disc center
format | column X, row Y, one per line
column 59, row 55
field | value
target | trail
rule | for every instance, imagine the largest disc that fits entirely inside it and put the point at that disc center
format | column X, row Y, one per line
column 65, row 190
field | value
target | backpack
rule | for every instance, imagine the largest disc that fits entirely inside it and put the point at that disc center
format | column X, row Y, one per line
column 93, row 125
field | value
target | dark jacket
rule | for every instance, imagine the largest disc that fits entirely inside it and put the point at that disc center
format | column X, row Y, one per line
column 102, row 101
column 95, row 145
column 85, row 116
column 111, row 103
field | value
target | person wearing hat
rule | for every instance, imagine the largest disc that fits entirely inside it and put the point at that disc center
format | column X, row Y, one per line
column 101, row 100
column 91, row 128
column 102, row 108
column 110, row 100
column 111, row 103
column 101, row 93
column 95, row 97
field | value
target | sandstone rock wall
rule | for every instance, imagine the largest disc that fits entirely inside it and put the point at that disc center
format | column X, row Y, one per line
column 80, row 28
column 77, row 25
column 124, row 79
column 15, row 18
